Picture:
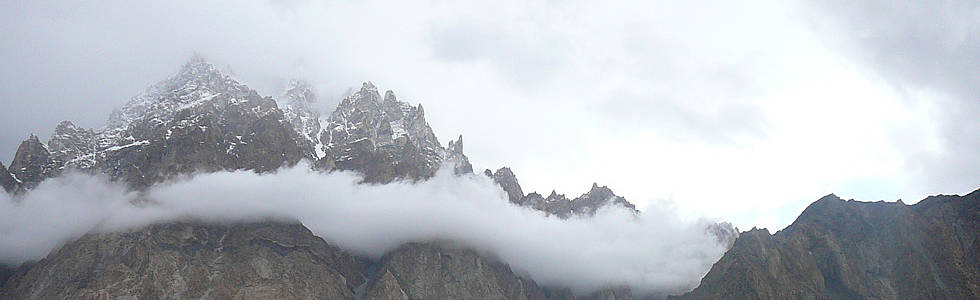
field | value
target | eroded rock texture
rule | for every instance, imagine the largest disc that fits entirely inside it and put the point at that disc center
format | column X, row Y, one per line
column 841, row 249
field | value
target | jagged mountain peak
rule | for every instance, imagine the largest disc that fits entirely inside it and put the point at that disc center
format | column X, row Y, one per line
column 390, row 96
column 32, row 162
column 599, row 192
column 554, row 196
column 368, row 86
column 456, row 146
column 508, row 181
column 299, row 93
column 65, row 127
column 197, row 66
column 32, row 139
column 391, row 136
column 196, row 83
column 69, row 142
column 298, row 98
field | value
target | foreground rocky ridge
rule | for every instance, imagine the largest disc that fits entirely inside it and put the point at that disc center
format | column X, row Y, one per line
column 266, row 260
column 840, row 249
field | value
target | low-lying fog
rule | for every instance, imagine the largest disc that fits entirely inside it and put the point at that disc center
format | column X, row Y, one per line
column 655, row 251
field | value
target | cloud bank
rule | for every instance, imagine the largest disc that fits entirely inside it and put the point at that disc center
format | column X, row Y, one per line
column 654, row 251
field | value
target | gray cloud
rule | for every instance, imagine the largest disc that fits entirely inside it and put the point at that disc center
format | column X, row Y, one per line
column 716, row 123
column 930, row 47
column 522, row 59
column 652, row 252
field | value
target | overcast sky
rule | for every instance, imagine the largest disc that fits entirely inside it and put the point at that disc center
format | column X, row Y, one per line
column 744, row 112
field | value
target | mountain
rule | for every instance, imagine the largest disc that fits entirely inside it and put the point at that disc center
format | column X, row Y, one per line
column 197, row 120
column 201, row 120
column 840, row 249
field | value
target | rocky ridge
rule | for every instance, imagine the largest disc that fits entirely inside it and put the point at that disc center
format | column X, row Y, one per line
column 201, row 120
column 557, row 204
column 840, row 249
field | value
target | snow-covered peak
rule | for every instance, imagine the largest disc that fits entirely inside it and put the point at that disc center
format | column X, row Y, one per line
column 297, row 105
column 70, row 141
column 197, row 82
column 299, row 95
column 389, row 125
column 368, row 86
column 197, row 67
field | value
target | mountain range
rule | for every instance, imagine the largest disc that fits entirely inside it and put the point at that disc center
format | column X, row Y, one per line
column 201, row 120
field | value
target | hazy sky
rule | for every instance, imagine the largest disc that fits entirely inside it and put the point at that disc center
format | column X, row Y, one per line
column 741, row 111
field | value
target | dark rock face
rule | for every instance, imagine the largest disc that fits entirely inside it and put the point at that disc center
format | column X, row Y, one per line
column 841, row 249
column 268, row 260
column 429, row 271
column 70, row 142
column 32, row 163
column 185, row 260
column 386, row 139
column 506, row 179
column 557, row 204
column 7, row 181
column 584, row 205
column 199, row 120
column 588, row 203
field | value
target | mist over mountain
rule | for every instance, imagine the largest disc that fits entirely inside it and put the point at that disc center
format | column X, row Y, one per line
column 313, row 149
column 371, row 179
column 200, row 184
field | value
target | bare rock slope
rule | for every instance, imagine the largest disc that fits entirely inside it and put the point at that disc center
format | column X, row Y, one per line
column 840, row 249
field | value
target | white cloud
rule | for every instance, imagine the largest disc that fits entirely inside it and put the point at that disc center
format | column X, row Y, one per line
column 655, row 251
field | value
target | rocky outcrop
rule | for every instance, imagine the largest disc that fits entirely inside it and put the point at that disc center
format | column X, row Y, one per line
column 298, row 109
column 386, row 139
column 72, row 145
column 433, row 271
column 508, row 181
column 597, row 197
column 266, row 260
column 7, row 181
column 32, row 163
column 584, row 205
column 199, row 120
column 385, row 287
column 189, row 260
column 840, row 249
column 557, row 204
